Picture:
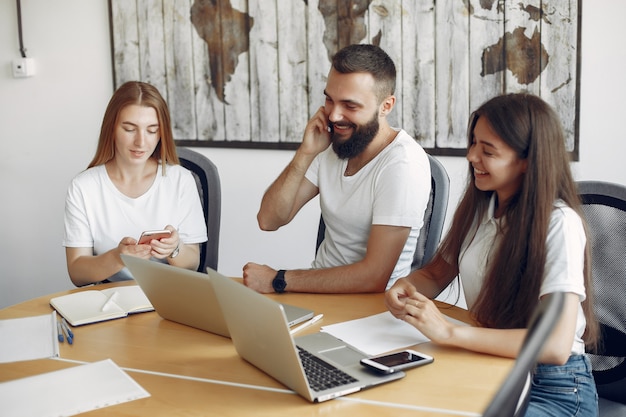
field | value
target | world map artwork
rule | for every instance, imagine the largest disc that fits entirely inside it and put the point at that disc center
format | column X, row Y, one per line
column 226, row 32
column 250, row 74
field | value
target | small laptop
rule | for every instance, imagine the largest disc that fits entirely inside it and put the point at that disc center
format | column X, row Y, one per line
column 188, row 297
column 259, row 331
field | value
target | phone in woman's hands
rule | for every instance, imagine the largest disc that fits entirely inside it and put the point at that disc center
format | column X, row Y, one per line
column 149, row 235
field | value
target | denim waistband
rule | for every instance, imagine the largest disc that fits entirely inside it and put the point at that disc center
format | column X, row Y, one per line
column 575, row 362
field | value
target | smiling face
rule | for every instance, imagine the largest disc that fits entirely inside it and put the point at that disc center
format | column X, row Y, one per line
column 496, row 165
column 353, row 111
column 136, row 134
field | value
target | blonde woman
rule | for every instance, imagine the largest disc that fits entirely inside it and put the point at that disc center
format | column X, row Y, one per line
column 134, row 183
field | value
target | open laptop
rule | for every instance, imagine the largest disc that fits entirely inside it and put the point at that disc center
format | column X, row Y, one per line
column 187, row 297
column 259, row 331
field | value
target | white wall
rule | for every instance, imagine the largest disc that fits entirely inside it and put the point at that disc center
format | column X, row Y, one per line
column 49, row 127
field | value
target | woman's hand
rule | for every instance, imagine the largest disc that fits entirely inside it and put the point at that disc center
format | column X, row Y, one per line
column 129, row 246
column 166, row 246
column 407, row 304
column 396, row 296
column 423, row 314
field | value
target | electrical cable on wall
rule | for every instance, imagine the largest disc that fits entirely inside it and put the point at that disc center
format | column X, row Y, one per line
column 19, row 28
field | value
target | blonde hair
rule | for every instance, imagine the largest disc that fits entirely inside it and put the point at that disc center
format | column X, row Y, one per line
column 142, row 94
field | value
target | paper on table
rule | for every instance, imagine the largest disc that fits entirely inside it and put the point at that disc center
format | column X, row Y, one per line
column 378, row 334
column 29, row 338
column 69, row 391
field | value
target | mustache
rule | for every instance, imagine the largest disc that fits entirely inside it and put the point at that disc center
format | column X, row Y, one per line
column 332, row 125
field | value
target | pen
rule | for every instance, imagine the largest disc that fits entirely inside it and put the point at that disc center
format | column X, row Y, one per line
column 67, row 327
column 306, row 324
column 59, row 332
column 109, row 301
column 69, row 338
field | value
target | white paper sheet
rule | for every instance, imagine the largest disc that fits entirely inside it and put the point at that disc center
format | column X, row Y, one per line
column 378, row 334
column 69, row 391
column 29, row 338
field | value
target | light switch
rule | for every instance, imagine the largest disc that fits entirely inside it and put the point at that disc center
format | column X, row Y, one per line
column 23, row 67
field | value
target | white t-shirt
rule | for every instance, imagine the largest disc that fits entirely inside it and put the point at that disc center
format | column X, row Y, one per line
column 392, row 189
column 564, row 263
column 98, row 215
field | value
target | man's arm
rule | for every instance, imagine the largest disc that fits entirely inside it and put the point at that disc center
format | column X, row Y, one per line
column 291, row 190
column 286, row 196
column 371, row 274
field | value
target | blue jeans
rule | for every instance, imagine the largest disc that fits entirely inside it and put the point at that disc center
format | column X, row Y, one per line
column 567, row 390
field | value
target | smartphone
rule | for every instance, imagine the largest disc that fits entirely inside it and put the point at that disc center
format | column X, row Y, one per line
column 398, row 361
column 149, row 235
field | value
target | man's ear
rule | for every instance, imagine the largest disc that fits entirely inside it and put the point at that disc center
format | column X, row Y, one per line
column 387, row 105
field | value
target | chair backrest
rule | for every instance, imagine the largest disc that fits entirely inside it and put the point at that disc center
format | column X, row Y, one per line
column 209, row 188
column 604, row 206
column 512, row 397
column 434, row 216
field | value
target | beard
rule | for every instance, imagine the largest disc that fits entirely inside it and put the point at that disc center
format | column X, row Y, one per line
column 358, row 141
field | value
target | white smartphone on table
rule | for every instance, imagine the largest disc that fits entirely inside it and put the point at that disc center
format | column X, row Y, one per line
column 147, row 236
column 398, row 361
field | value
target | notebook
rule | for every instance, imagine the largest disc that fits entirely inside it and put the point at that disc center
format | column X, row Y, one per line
column 92, row 306
column 259, row 331
column 187, row 297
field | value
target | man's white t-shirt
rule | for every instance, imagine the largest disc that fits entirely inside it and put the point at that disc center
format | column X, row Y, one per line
column 392, row 189
column 98, row 215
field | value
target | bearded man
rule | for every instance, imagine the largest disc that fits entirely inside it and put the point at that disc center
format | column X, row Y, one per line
column 374, row 184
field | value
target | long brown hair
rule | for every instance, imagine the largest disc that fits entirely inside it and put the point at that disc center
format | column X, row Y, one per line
column 142, row 94
column 512, row 283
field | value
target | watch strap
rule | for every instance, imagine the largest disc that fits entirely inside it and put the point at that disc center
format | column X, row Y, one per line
column 175, row 252
column 278, row 283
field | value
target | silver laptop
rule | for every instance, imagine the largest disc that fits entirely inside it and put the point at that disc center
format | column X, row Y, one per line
column 259, row 331
column 187, row 297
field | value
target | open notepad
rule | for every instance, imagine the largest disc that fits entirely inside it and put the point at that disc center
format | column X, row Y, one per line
column 92, row 306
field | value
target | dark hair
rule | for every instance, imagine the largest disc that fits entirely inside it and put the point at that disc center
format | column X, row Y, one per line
column 534, row 131
column 370, row 59
column 142, row 94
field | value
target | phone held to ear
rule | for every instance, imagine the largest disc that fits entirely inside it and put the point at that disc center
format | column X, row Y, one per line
column 147, row 236
column 398, row 361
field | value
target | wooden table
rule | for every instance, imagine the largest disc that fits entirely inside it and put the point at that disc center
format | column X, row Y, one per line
column 195, row 373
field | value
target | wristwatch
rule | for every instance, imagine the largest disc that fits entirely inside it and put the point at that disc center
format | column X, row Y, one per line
column 279, row 282
column 175, row 251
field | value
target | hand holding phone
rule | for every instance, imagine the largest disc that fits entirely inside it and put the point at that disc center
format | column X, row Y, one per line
column 147, row 236
column 398, row 361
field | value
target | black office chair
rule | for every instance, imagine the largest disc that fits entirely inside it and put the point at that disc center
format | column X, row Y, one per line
column 209, row 188
column 604, row 205
column 511, row 400
column 434, row 216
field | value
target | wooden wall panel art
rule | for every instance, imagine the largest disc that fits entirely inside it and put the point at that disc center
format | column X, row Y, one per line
column 250, row 73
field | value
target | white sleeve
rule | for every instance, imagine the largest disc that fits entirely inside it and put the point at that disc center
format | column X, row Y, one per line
column 566, row 254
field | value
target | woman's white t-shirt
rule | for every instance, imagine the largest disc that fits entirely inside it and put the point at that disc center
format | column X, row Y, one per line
column 564, row 263
column 98, row 215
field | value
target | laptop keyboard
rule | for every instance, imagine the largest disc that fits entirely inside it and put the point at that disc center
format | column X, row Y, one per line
column 322, row 375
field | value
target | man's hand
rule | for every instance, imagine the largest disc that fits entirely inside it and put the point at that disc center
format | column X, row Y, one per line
column 316, row 135
column 259, row 277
